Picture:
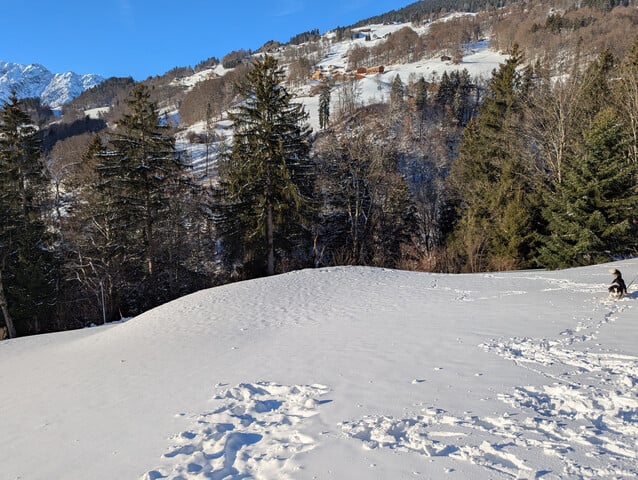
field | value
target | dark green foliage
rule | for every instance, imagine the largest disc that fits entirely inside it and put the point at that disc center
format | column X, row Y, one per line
column 27, row 270
column 590, row 208
column 556, row 23
column 421, row 96
column 591, row 214
column 265, row 177
column 304, row 37
column 454, row 95
column 492, row 181
column 595, row 89
column 141, row 211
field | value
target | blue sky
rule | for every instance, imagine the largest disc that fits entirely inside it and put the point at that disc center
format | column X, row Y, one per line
column 140, row 38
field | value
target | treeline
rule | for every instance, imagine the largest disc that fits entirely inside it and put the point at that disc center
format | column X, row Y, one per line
column 105, row 93
column 525, row 170
column 546, row 173
column 109, row 232
column 423, row 11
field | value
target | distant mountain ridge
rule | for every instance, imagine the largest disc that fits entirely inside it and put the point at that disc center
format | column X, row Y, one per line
column 53, row 89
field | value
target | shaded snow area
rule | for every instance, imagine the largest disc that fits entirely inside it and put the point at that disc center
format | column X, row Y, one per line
column 338, row 373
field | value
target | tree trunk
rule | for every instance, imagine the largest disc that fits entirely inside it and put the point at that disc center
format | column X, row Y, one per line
column 4, row 307
column 270, row 240
column 150, row 238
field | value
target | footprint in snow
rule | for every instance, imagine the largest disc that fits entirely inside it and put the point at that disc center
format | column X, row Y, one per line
column 254, row 427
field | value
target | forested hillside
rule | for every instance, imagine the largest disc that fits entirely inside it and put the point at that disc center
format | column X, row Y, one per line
column 143, row 192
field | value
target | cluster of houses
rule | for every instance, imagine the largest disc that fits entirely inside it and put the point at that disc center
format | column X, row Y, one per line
column 337, row 73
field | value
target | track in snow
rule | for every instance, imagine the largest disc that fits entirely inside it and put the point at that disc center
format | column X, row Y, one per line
column 586, row 409
column 254, row 433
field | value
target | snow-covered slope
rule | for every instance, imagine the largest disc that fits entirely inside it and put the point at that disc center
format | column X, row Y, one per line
column 338, row 373
column 479, row 60
column 54, row 89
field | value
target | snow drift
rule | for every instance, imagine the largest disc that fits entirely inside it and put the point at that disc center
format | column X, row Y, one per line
column 338, row 373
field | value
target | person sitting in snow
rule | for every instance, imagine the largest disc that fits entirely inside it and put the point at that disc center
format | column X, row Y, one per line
column 617, row 289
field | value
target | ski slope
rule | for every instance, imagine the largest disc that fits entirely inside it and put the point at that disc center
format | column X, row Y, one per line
column 338, row 373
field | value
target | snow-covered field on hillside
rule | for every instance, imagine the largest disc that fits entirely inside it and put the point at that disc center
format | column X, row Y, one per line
column 479, row 60
column 338, row 373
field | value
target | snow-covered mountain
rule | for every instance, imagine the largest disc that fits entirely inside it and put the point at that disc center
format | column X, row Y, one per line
column 338, row 373
column 54, row 89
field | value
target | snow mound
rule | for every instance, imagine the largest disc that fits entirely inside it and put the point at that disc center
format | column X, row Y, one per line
column 373, row 373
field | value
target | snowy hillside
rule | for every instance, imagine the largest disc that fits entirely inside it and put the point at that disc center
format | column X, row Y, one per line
column 479, row 60
column 54, row 89
column 338, row 373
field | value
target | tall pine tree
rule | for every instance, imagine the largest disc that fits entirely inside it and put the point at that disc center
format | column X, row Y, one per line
column 266, row 178
column 591, row 215
column 495, row 207
column 26, row 264
column 141, row 183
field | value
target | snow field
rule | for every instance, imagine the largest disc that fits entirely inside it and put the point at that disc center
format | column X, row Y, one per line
column 337, row 373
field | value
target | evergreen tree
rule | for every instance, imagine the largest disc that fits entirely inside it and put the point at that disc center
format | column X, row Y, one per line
column 461, row 105
column 445, row 93
column 491, row 179
column 421, row 97
column 421, row 104
column 26, row 264
column 591, row 215
column 324, row 106
column 265, row 176
column 143, row 192
column 595, row 91
column 397, row 94
column 92, row 258
column 453, row 95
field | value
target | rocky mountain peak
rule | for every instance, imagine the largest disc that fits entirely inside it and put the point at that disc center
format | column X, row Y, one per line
column 34, row 80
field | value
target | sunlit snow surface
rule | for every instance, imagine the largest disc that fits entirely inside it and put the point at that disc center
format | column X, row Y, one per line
column 338, row 373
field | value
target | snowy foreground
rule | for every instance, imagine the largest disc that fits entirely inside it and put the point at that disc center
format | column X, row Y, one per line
column 339, row 373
